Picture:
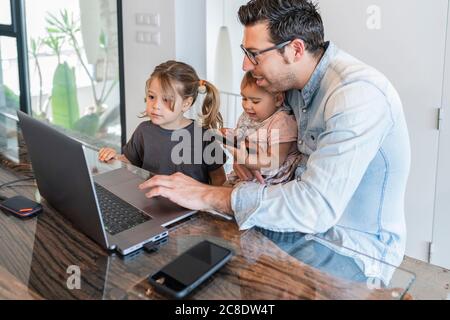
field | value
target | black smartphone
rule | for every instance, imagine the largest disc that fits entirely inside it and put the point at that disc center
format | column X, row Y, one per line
column 190, row 269
column 21, row 207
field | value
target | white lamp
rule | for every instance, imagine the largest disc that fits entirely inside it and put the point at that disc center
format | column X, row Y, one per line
column 223, row 69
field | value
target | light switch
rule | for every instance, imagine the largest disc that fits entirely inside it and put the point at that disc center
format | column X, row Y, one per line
column 139, row 19
column 156, row 38
column 153, row 20
column 140, row 37
column 153, row 38
column 148, row 19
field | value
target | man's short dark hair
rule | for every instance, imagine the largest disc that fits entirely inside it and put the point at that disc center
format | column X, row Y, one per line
column 287, row 20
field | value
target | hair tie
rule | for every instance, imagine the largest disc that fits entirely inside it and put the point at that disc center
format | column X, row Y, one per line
column 202, row 86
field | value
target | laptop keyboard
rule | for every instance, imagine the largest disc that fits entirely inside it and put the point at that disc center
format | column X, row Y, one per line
column 118, row 215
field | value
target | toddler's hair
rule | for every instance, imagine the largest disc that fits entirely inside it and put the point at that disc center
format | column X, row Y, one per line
column 248, row 80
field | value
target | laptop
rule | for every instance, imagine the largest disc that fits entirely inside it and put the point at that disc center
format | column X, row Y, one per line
column 109, row 208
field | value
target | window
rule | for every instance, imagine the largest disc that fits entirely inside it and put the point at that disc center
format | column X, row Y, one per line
column 9, row 74
column 9, row 96
column 73, row 48
column 10, row 86
column 61, row 61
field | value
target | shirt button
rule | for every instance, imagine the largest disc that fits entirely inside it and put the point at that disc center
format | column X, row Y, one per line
column 304, row 110
column 300, row 142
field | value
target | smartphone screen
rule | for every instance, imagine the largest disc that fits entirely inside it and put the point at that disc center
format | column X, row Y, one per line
column 191, row 268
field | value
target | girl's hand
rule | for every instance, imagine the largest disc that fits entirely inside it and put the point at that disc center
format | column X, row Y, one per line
column 106, row 154
column 226, row 132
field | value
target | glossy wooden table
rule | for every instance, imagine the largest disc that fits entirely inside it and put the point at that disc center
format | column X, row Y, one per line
column 38, row 257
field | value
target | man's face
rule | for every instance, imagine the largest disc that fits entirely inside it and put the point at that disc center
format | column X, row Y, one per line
column 273, row 72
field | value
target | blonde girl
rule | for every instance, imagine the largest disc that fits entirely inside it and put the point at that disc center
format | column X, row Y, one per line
column 171, row 90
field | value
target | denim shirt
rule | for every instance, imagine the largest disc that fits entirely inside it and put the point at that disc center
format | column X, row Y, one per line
column 349, row 190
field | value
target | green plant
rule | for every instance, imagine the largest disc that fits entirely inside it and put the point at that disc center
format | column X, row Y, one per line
column 88, row 124
column 65, row 109
column 63, row 28
column 64, row 97
column 66, row 26
column 12, row 100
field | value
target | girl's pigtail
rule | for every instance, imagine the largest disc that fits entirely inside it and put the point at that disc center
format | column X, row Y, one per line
column 211, row 117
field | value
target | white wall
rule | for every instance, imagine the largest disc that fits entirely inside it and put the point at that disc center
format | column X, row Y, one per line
column 182, row 28
column 141, row 58
column 190, row 34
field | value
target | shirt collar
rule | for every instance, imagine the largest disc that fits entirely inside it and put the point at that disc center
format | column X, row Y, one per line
column 313, row 84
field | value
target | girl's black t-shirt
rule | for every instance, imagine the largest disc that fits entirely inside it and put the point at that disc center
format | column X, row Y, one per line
column 191, row 150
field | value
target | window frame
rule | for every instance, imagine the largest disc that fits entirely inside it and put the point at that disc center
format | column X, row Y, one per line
column 17, row 30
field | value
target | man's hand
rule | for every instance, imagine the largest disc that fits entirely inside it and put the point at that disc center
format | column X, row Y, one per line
column 189, row 193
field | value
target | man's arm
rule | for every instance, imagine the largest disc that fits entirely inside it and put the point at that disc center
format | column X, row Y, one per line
column 217, row 177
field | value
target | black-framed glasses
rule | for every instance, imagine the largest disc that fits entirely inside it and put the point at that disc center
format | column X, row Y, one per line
column 251, row 55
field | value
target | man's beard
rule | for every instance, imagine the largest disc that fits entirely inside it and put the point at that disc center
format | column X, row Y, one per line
column 281, row 84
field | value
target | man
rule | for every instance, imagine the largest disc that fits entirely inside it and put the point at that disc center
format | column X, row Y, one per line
column 351, row 128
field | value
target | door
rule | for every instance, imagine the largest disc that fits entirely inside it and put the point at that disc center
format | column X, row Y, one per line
column 440, row 253
column 404, row 39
